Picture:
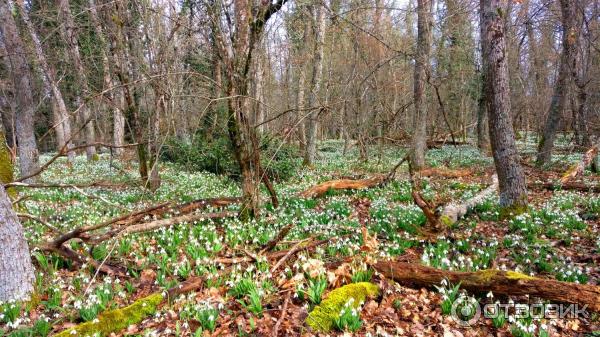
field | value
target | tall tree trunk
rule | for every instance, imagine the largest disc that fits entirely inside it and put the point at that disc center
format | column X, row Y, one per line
column 113, row 98
column 483, row 140
column 83, row 90
column 512, row 186
column 16, row 271
column 570, row 39
column 62, row 118
column 419, row 139
column 17, row 63
column 315, row 86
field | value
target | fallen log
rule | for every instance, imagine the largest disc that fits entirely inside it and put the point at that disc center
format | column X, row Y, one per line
column 342, row 184
column 456, row 210
column 579, row 168
column 113, row 321
column 570, row 186
column 444, row 172
column 496, row 281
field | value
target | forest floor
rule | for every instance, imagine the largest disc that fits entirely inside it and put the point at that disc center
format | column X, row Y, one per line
column 557, row 238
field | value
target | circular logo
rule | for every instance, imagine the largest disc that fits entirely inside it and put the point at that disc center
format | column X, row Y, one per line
column 465, row 311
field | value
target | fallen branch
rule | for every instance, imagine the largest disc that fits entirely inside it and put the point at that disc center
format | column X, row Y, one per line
column 282, row 315
column 150, row 226
column 132, row 223
column 570, row 186
column 443, row 172
column 496, row 281
column 454, row 210
column 42, row 222
column 579, row 168
column 342, row 184
column 280, row 236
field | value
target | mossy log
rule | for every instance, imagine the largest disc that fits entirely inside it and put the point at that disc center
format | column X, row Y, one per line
column 496, row 281
column 322, row 317
column 117, row 319
column 342, row 184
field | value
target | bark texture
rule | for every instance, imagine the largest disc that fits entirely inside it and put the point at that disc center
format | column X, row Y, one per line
column 316, row 80
column 16, row 271
column 570, row 37
column 70, row 35
column 499, row 282
column 419, row 139
column 512, row 186
column 22, row 81
column 61, row 115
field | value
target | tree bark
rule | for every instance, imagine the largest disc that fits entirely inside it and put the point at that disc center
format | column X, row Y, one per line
column 114, row 98
column 16, row 271
column 499, row 282
column 315, row 86
column 570, row 40
column 23, row 85
column 419, row 139
column 237, row 55
column 62, row 118
column 512, row 186
column 83, row 90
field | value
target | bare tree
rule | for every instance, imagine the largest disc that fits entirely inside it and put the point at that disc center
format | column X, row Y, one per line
column 419, row 138
column 22, row 82
column 70, row 35
column 236, row 42
column 61, row 114
column 315, row 86
column 570, row 39
column 511, row 179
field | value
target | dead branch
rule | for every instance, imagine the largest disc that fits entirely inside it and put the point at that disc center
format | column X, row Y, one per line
column 280, row 236
column 282, row 315
column 342, row 184
column 42, row 222
column 579, row 168
column 569, row 186
column 445, row 173
column 455, row 210
column 496, row 281
column 150, row 226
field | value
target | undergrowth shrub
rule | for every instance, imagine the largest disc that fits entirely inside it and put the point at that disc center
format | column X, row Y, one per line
column 213, row 153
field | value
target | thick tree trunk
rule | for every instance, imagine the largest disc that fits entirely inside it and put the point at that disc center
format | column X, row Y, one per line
column 83, row 90
column 16, row 271
column 513, row 189
column 419, row 138
column 17, row 63
column 62, row 119
column 571, row 30
column 499, row 282
column 315, row 87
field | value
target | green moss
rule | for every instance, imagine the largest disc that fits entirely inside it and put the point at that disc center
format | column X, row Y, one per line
column 95, row 157
column 513, row 275
column 511, row 211
column 116, row 320
column 487, row 274
column 446, row 220
column 6, row 166
column 322, row 317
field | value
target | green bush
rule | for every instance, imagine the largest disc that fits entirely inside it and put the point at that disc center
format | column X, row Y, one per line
column 213, row 153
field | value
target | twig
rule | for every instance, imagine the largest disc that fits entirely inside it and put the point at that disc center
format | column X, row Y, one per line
column 34, row 218
column 282, row 315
